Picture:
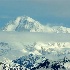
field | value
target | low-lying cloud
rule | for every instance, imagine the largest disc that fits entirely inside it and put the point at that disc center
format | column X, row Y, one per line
column 34, row 37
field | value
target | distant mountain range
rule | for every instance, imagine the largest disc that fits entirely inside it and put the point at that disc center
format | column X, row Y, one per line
column 27, row 24
column 27, row 53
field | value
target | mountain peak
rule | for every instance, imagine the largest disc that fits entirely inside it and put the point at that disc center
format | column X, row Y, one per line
column 24, row 18
column 27, row 24
column 24, row 23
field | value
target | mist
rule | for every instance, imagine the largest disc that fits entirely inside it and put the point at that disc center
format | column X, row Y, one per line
column 34, row 37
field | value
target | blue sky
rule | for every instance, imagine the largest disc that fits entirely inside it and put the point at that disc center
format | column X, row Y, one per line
column 54, row 12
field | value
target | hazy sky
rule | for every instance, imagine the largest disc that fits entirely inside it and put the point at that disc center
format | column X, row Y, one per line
column 56, row 12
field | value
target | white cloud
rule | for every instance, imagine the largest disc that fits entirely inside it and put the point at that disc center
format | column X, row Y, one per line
column 34, row 37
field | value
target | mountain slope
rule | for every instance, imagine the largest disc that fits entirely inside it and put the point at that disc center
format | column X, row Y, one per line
column 24, row 24
column 58, row 50
column 27, row 24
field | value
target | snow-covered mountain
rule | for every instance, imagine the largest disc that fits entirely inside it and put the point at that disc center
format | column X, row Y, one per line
column 24, row 24
column 58, row 50
column 27, row 24
column 32, row 52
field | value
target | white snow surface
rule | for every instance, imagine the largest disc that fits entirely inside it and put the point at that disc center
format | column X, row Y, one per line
column 54, row 49
column 27, row 24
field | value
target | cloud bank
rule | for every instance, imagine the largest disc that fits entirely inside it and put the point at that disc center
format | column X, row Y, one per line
column 34, row 37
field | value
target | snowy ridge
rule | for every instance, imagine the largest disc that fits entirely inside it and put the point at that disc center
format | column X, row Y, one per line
column 58, row 50
column 30, row 63
column 25, row 23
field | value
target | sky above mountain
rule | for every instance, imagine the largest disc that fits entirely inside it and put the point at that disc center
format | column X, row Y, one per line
column 55, row 12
